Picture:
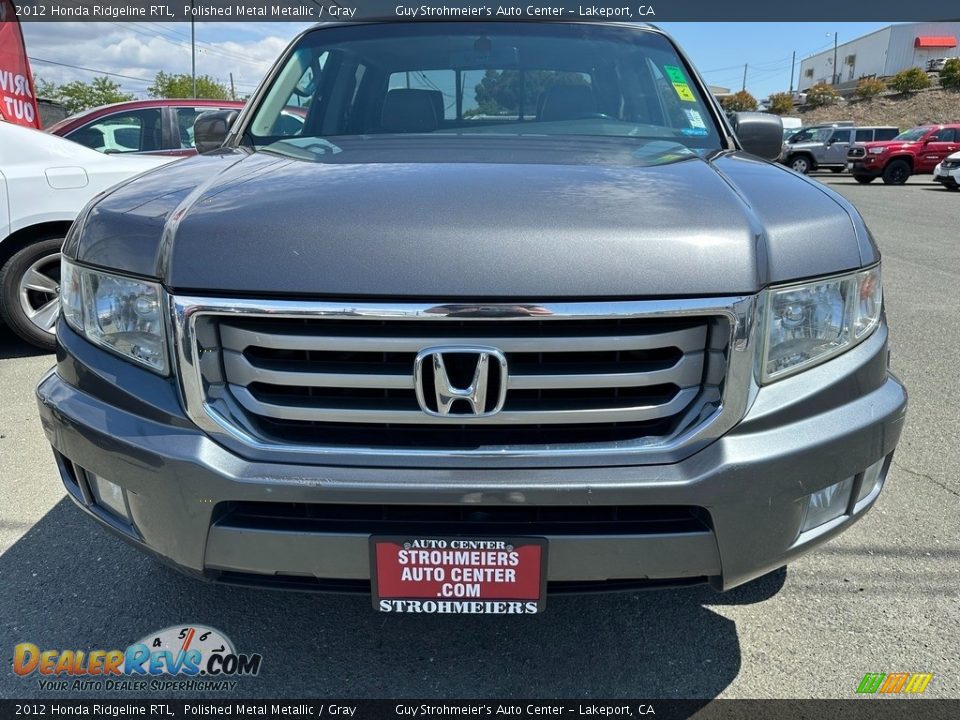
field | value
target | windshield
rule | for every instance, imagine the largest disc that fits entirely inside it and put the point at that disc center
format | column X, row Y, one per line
column 448, row 82
column 913, row 134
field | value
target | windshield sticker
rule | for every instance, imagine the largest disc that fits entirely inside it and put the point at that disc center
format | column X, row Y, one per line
column 679, row 82
column 695, row 119
column 695, row 132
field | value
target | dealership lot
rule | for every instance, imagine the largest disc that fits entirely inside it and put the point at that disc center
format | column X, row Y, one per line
column 883, row 597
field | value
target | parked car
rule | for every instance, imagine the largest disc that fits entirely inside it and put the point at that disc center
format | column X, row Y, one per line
column 948, row 172
column 914, row 151
column 457, row 355
column 44, row 183
column 158, row 127
column 825, row 147
column 936, row 65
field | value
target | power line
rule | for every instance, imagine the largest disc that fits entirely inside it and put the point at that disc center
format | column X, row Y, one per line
column 98, row 72
column 209, row 47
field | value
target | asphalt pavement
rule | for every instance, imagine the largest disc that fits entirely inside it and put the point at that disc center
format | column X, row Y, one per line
column 883, row 597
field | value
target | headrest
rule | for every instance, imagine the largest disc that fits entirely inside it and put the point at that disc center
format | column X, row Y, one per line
column 410, row 111
column 567, row 102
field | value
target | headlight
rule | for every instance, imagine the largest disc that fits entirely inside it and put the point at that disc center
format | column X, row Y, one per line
column 118, row 313
column 809, row 323
column 877, row 150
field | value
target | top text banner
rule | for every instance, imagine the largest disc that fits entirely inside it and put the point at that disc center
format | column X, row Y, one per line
column 557, row 10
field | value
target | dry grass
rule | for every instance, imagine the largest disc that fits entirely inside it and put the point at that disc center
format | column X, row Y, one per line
column 903, row 111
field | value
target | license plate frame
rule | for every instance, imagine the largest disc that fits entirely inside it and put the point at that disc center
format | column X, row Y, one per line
column 528, row 591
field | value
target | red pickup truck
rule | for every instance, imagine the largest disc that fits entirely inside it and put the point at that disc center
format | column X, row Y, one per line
column 918, row 150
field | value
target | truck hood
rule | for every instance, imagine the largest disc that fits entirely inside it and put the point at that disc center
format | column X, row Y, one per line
column 890, row 144
column 267, row 225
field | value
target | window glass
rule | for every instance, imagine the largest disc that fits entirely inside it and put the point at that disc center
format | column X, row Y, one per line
column 840, row 136
column 864, row 135
column 943, row 135
column 885, row 134
column 133, row 131
column 184, row 118
column 457, row 79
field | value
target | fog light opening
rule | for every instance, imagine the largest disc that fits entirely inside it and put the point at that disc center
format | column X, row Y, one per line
column 827, row 505
column 108, row 496
column 873, row 478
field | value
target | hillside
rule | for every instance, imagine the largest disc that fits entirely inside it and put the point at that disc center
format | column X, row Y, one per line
column 903, row 111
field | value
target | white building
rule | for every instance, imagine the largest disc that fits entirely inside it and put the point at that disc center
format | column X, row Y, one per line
column 883, row 53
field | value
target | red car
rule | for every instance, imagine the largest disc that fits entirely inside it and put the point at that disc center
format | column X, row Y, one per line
column 158, row 127
column 918, row 150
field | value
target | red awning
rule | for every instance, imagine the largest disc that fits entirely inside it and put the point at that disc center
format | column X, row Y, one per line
column 935, row 41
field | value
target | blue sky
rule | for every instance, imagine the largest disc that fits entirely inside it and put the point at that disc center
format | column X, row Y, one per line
column 134, row 52
column 719, row 50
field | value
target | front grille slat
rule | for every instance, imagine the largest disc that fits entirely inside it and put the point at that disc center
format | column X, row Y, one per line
column 238, row 338
column 687, row 372
column 242, row 372
column 299, row 410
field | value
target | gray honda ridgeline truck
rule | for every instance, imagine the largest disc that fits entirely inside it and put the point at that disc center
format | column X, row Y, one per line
column 463, row 314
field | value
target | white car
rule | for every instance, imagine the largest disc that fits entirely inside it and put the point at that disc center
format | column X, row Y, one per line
column 45, row 181
column 948, row 172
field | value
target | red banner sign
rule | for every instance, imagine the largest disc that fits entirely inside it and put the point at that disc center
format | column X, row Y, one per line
column 18, row 103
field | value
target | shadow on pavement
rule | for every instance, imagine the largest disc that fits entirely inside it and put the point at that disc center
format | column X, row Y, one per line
column 69, row 584
column 13, row 347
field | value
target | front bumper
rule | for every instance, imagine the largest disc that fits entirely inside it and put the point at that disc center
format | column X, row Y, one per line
column 749, row 489
column 947, row 176
column 869, row 165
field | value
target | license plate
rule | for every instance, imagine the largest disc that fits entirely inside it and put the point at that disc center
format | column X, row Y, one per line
column 458, row 575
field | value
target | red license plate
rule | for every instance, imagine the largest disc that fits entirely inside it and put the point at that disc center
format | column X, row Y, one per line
column 454, row 575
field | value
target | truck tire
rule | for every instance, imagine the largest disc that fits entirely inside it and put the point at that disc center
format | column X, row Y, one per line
column 30, row 292
column 864, row 179
column 897, row 172
column 800, row 164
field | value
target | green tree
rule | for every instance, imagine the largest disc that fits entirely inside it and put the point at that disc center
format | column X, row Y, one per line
column 79, row 95
column 950, row 75
column 912, row 80
column 738, row 102
column 499, row 91
column 781, row 103
column 180, row 85
column 869, row 88
column 821, row 95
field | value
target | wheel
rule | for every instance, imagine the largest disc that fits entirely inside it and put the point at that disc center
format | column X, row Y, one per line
column 30, row 292
column 800, row 164
column 836, row 170
column 864, row 179
column 896, row 172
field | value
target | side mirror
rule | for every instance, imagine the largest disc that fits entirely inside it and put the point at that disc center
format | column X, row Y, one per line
column 210, row 129
column 759, row 134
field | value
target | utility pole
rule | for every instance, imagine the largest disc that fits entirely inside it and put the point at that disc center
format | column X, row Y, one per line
column 793, row 63
column 835, row 74
column 193, row 52
column 233, row 92
column 744, row 87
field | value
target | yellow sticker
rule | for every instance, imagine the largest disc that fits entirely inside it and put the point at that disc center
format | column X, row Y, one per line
column 684, row 92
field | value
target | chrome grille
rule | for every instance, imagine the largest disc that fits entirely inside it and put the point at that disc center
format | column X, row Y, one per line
column 596, row 379
column 362, row 372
